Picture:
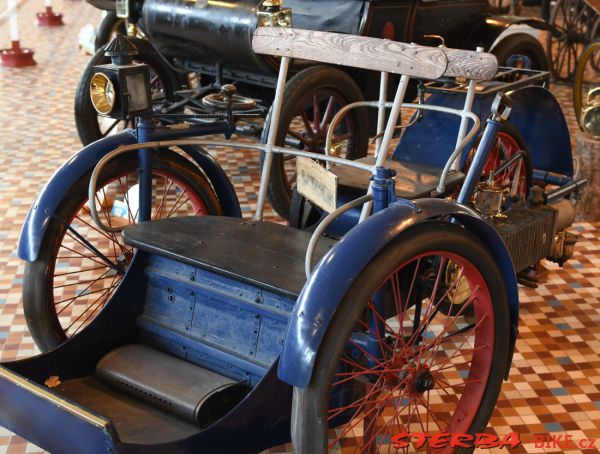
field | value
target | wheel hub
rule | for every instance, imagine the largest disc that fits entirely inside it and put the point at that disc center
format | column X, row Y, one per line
column 423, row 381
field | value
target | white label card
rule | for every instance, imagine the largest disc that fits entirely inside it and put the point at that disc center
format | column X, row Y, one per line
column 316, row 183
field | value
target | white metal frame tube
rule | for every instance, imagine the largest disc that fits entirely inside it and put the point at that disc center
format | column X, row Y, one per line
column 273, row 126
column 387, row 137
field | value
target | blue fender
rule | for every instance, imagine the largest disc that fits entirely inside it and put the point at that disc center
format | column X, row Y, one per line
column 337, row 270
column 79, row 164
column 536, row 114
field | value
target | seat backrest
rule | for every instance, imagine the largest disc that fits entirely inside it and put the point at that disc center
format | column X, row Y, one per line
column 376, row 54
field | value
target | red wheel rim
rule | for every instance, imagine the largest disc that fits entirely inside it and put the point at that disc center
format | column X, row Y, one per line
column 507, row 147
column 513, row 179
column 308, row 129
column 81, row 281
column 430, row 377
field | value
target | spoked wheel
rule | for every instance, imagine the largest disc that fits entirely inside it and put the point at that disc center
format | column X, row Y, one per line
column 90, row 125
column 576, row 22
column 514, row 177
column 109, row 27
column 312, row 98
column 510, row 50
column 587, row 77
column 392, row 362
column 80, row 266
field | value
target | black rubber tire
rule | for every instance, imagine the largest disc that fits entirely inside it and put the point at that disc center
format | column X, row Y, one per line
column 310, row 404
column 86, row 117
column 522, row 44
column 110, row 25
column 38, row 299
column 307, row 81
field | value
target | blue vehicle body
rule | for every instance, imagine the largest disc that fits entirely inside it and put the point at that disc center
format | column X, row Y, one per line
column 83, row 162
column 534, row 109
column 75, row 428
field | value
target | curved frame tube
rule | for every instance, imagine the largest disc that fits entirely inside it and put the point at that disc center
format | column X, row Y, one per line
column 320, row 230
column 238, row 145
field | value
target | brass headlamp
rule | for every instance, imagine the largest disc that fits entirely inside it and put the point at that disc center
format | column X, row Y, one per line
column 590, row 116
column 272, row 14
column 121, row 89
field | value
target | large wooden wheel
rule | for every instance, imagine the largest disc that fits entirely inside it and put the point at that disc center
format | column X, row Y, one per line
column 577, row 23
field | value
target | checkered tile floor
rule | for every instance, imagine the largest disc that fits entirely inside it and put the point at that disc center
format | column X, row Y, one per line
column 554, row 385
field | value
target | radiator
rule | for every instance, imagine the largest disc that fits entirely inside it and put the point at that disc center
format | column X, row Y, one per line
column 528, row 234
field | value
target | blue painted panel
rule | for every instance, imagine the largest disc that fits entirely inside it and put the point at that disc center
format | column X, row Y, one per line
column 48, row 425
column 536, row 114
column 540, row 120
column 226, row 326
column 432, row 140
column 223, row 321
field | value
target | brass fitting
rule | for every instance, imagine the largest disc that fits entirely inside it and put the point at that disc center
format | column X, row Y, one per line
column 272, row 3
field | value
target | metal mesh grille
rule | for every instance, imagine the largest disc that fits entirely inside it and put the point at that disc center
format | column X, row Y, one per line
column 528, row 234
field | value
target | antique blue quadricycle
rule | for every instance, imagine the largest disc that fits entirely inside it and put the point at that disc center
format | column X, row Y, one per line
column 389, row 305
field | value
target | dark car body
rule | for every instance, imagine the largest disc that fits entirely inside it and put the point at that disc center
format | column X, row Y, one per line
column 210, row 37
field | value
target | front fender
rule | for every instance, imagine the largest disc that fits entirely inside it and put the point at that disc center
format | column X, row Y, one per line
column 79, row 164
column 331, row 279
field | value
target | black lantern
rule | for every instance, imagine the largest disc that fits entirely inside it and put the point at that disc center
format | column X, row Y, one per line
column 121, row 89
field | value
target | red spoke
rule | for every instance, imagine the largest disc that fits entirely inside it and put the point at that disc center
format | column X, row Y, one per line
column 111, row 238
column 79, row 271
column 455, row 317
column 79, row 295
column 316, row 113
column 176, row 202
column 366, row 353
column 89, row 306
column 300, row 137
column 306, row 122
column 175, row 210
column 93, row 258
column 435, row 417
column 116, row 280
column 328, row 113
column 125, row 189
column 350, row 427
column 450, row 358
column 81, row 282
column 162, row 201
column 353, row 375
column 341, row 138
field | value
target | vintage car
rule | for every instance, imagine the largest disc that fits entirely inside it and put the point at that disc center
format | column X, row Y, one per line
column 195, row 47
column 205, row 332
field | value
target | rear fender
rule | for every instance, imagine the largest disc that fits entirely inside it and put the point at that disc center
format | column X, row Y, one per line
column 497, row 27
column 83, row 162
column 333, row 276
column 536, row 113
